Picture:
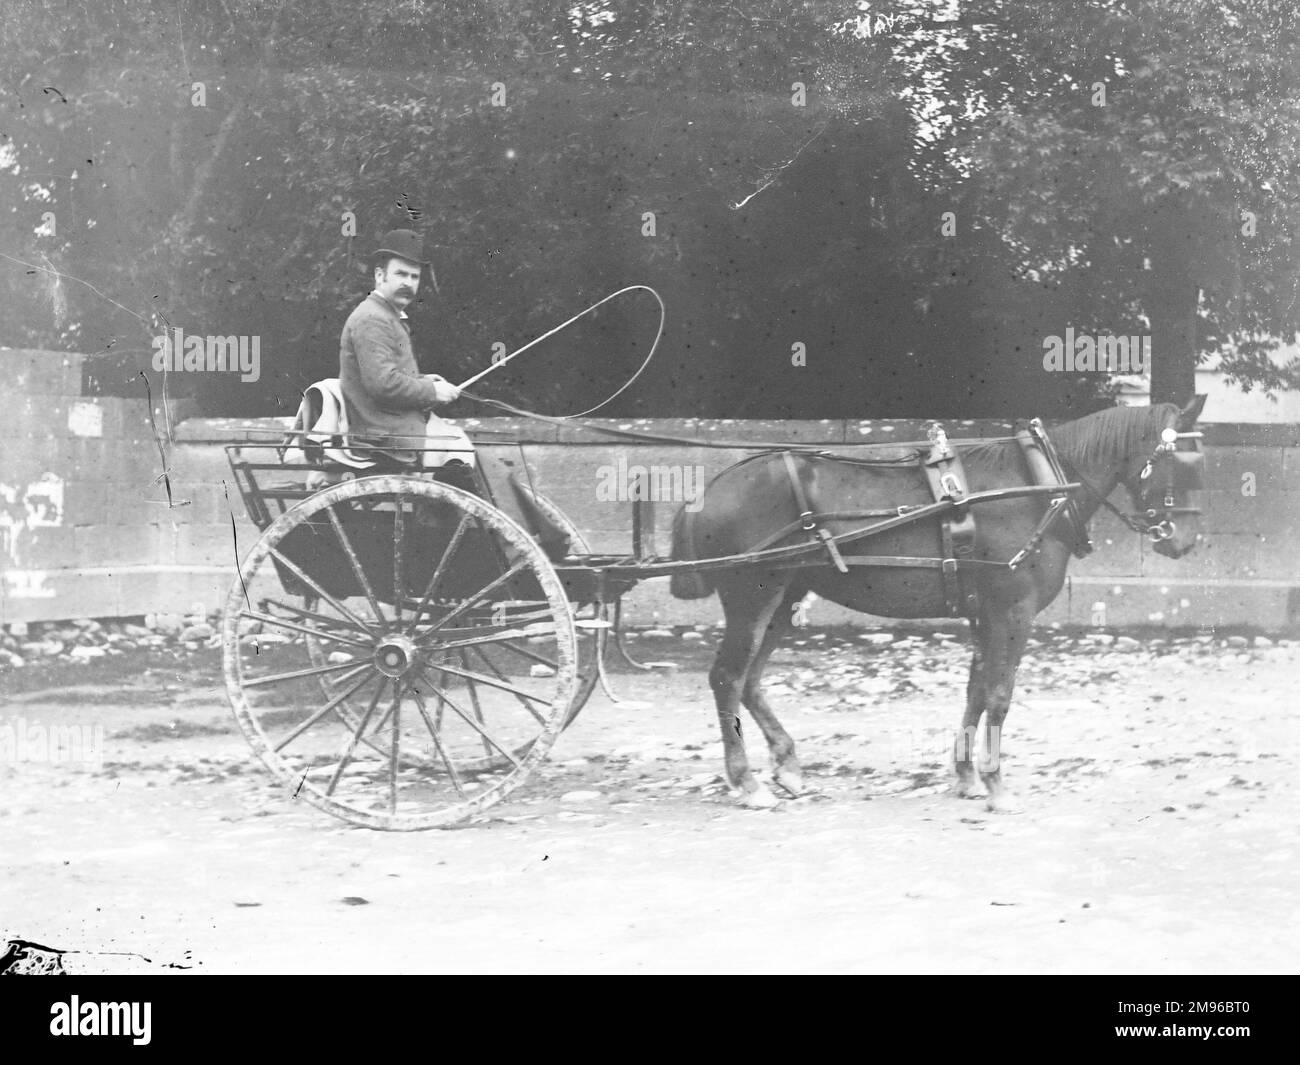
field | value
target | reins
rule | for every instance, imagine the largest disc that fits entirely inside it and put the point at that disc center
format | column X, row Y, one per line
column 714, row 443
column 1132, row 521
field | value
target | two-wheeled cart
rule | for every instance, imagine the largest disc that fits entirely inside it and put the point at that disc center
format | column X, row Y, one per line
column 402, row 653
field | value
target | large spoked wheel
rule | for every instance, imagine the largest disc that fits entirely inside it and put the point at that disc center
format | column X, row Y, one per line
column 591, row 627
column 444, row 634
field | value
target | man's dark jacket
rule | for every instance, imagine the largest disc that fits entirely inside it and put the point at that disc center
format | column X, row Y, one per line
column 385, row 394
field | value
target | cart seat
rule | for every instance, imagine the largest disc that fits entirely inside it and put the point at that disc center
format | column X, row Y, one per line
column 320, row 436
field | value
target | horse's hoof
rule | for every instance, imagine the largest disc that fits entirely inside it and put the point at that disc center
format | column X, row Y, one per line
column 790, row 780
column 760, row 798
column 966, row 789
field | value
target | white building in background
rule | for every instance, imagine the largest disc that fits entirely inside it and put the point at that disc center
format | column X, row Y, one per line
column 1226, row 401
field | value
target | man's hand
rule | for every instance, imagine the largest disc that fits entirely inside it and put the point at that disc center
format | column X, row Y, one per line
column 445, row 390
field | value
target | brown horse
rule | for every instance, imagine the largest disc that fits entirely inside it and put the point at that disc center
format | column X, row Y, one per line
column 750, row 501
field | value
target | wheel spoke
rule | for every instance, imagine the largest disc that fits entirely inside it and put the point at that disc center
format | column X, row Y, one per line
column 502, row 677
column 480, row 729
column 437, row 714
column 314, row 671
column 527, row 653
column 399, row 570
column 281, row 623
column 347, row 675
column 483, row 678
column 473, row 699
column 298, row 572
column 357, row 568
column 393, row 748
column 356, row 737
column 496, row 636
column 528, row 624
column 477, row 598
column 438, row 572
column 303, row 726
column 382, row 722
column 437, row 741
column 323, row 620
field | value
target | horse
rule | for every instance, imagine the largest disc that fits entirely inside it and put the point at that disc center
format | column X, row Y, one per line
column 749, row 502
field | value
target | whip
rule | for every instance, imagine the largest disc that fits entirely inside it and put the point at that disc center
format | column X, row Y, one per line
column 564, row 325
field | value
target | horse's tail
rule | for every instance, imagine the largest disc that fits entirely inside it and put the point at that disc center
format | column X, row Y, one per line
column 687, row 585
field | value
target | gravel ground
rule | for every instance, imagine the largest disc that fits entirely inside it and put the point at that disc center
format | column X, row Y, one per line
column 1159, row 830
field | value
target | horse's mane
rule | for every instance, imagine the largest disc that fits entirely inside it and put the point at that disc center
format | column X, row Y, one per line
column 1096, row 437
column 1111, row 432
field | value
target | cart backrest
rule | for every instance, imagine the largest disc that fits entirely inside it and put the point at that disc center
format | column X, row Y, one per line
column 320, row 428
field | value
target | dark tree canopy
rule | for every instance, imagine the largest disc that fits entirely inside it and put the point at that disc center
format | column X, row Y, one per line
column 782, row 218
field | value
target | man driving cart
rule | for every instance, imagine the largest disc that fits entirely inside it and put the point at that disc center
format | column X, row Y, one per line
column 389, row 401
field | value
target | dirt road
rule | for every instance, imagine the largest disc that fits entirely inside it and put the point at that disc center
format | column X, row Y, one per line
column 1159, row 833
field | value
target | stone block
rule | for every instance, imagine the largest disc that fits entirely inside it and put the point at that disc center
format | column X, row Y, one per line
column 1224, row 467
column 85, row 502
column 176, row 591
column 44, row 547
column 122, row 545
column 209, row 545
column 1271, row 511
column 23, row 461
column 143, row 503
column 49, row 373
column 57, row 595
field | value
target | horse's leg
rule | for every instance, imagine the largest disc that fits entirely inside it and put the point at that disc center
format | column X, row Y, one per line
column 1008, row 633
column 785, row 764
column 749, row 609
column 963, row 751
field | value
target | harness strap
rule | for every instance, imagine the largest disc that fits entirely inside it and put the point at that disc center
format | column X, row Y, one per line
column 807, row 519
column 794, row 555
column 947, row 480
column 903, row 512
column 1045, row 468
column 910, row 561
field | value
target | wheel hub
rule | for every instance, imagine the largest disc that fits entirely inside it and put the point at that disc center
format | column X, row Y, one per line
column 395, row 656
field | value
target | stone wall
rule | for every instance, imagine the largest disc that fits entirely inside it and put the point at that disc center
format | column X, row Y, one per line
column 87, row 528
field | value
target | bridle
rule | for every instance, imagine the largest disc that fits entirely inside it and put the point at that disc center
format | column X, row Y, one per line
column 1158, row 480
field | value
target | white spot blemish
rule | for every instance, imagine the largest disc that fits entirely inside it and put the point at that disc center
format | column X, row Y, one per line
column 86, row 419
column 39, row 505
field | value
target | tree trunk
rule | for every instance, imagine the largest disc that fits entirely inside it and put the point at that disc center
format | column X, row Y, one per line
column 1171, row 302
column 1172, row 311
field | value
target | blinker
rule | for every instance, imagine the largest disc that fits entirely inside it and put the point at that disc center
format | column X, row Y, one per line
column 1187, row 470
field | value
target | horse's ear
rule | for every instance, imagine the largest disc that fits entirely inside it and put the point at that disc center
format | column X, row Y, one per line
column 1188, row 415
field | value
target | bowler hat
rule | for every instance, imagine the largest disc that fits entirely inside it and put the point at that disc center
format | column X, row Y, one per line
column 403, row 244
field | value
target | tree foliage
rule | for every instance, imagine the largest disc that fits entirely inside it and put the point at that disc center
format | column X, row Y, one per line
column 1142, row 151
column 773, row 224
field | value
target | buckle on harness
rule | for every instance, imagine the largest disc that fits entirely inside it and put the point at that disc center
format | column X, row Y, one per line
column 829, row 541
column 950, row 566
column 807, row 518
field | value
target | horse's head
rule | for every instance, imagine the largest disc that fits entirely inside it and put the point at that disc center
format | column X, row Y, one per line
column 1165, row 484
